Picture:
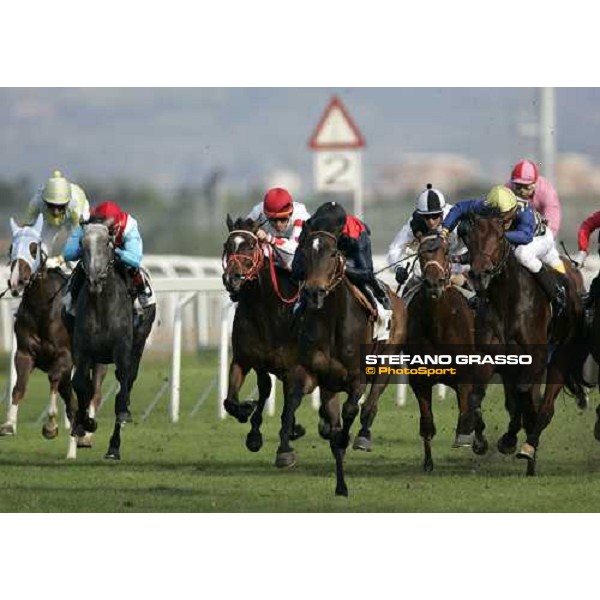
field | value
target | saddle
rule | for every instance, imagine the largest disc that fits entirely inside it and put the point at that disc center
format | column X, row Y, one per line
column 362, row 300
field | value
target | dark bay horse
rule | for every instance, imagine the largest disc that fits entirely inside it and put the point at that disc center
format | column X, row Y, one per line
column 104, row 331
column 332, row 328
column 441, row 322
column 515, row 318
column 43, row 341
column 262, row 335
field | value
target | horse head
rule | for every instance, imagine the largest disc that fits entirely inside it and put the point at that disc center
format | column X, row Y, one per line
column 97, row 256
column 243, row 256
column 25, row 254
column 434, row 263
column 323, row 266
column 488, row 249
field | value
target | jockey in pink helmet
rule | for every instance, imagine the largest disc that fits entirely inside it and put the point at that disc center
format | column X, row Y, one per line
column 528, row 184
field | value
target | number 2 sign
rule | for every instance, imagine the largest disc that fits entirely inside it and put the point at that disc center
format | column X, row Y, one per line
column 337, row 171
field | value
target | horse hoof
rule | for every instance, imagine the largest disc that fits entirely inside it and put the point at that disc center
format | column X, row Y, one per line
column 297, row 432
column 463, row 440
column 507, row 445
column 90, row 425
column 324, row 429
column 526, row 452
column 341, row 490
column 113, row 454
column 480, row 447
column 50, row 431
column 362, row 443
column 582, row 402
column 428, row 465
column 254, row 441
column 286, row 460
column 8, row 429
column 85, row 441
column 124, row 417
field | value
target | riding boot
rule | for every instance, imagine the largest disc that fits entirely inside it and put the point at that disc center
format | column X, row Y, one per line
column 74, row 286
column 143, row 290
column 554, row 288
column 380, row 293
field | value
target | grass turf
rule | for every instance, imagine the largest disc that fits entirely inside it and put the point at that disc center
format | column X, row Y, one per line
column 201, row 463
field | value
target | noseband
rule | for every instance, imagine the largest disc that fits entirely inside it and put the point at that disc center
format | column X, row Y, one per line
column 435, row 263
column 109, row 264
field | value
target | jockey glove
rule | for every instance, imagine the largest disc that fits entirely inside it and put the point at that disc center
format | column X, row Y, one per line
column 401, row 275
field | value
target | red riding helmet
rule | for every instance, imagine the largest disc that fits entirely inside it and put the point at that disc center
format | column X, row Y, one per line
column 525, row 172
column 112, row 215
column 278, row 204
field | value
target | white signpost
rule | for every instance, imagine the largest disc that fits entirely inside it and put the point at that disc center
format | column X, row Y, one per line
column 338, row 143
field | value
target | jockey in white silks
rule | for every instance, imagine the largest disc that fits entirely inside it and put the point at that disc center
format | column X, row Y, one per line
column 282, row 221
column 430, row 211
column 63, row 204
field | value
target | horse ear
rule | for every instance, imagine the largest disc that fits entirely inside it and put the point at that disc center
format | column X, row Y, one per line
column 39, row 224
column 13, row 226
column 229, row 222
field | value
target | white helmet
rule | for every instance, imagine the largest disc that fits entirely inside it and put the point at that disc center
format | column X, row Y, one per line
column 430, row 201
column 57, row 190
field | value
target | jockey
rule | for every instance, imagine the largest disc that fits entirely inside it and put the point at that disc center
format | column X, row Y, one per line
column 430, row 211
column 63, row 204
column 583, row 238
column 282, row 223
column 128, row 249
column 528, row 185
column 527, row 231
column 354, row 242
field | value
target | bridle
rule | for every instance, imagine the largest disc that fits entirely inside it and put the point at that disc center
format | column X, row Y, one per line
column 435, row 263
column 500, row 266
column 338, row 273
column 109, row 265
column 256, row 260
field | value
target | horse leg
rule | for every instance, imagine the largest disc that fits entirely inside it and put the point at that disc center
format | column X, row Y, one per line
column 465, row 437
column 368, row 412
column 337, row 442
column 99, row 373
column 349, row 411
column 65, row 389
column 426, row 425
column 50, row 427
column 254, row 440
column 240, row 410
column 295, row 386
column 507, row 444
column 324, row 427
column 123, row 370
column 528, row 451
column 24, row 365
column 82, row 384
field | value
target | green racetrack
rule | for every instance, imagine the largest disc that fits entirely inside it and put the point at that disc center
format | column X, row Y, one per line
column 202, row 465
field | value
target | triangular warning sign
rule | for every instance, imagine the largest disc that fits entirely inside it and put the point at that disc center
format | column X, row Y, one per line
column 336, row 129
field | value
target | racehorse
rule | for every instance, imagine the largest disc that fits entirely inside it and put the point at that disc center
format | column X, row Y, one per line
column 43, row 340
column 331, row 329
column 515, row 318
column 104, row 330
column 262, row 337
column 440, row 321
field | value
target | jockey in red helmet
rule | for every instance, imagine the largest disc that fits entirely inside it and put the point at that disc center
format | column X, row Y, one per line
column 128, row 249
column 282, row 223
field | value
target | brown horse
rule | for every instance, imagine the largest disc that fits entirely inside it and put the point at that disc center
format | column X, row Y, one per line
column 43, row 341
column 332, row 328
column 515, row 318
column 440, row 321
column 262, row 337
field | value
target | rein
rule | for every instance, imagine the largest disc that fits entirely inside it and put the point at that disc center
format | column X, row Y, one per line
column 498, row 268
column 445, row 271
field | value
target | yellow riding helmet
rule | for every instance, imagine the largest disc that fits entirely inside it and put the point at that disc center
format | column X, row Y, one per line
column 57, row 190
column 502, row 199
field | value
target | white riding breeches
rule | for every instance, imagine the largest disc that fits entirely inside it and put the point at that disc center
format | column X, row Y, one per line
column 541, row 251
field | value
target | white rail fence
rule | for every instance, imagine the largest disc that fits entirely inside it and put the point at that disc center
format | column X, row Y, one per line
column 193, row 311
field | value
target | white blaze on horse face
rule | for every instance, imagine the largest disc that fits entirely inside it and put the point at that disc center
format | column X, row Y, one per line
column 238, row 240
column 315, row 244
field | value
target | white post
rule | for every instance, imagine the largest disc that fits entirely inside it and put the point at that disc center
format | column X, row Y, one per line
column 401, row 389
column 271, row 398
column 176, row 360
column 316, row 398
column 442, row 389
column 548, row 132
column 224, row 356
